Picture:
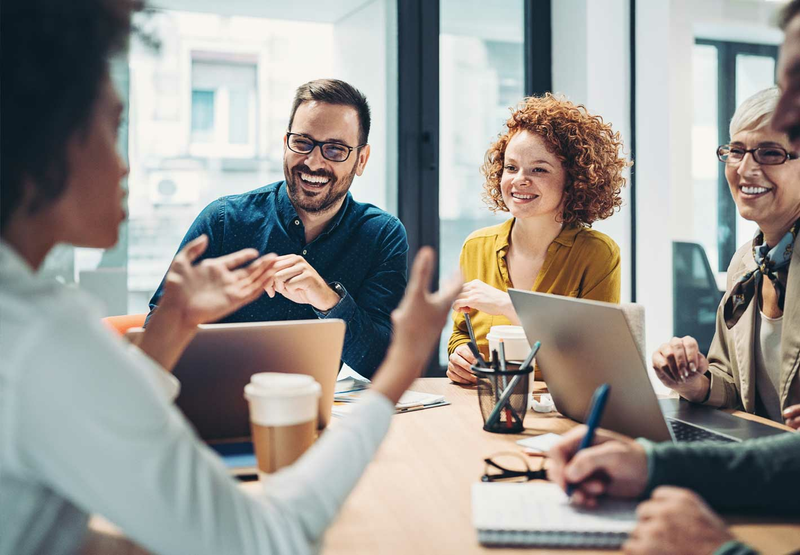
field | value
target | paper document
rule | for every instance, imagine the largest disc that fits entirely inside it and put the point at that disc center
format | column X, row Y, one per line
column 541, row 443
column 351, row 383
column 415, row 398
column 409, row 401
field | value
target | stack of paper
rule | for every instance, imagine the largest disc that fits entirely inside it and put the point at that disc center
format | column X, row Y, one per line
column 350, row 384
column 414, row 400
column 349, row 390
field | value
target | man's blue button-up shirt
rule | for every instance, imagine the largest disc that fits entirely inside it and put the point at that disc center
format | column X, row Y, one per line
column 363, row 248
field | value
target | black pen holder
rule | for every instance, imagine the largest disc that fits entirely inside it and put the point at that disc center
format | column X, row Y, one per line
column 508, row 419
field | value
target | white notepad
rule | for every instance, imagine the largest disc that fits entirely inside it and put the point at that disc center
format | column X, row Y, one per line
column 539, row 514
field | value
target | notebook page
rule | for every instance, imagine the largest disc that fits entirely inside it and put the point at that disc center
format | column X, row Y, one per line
column 544, row 507
column 412, row 398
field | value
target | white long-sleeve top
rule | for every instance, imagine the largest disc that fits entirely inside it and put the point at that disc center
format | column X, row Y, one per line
column 87, row 425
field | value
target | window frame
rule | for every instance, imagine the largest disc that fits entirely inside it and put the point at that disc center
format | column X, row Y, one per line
column 727, row 51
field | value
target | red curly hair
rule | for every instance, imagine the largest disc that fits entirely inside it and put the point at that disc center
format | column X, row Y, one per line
column 590, row 151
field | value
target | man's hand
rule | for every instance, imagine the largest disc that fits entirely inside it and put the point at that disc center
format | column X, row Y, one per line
column 615, row 465
column 681, row 366
column 214, row 287
column 481, row 296
column 458, row 365
column 417, row 325
column 676, row 521
column 792, row 416
column 199, row 293
column 299, row 282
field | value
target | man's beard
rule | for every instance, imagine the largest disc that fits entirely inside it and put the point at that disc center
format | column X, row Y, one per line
column 325, row 199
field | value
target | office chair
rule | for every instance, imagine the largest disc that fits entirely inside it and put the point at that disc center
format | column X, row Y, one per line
column 695, row 295
column 121, row 324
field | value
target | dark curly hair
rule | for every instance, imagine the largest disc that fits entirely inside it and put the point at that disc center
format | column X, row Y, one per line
column 54, row 58
column 590, row 151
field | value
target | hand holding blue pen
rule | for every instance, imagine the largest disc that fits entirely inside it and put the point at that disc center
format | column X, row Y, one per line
column 596, row 407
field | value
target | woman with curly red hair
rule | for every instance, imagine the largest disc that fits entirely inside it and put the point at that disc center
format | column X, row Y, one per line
column 556, row 170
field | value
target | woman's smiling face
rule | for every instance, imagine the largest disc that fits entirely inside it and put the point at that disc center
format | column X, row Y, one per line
column 766, row 194
column 533, row 178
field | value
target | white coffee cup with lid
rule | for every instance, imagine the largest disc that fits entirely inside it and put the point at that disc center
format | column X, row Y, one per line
column 283, row 417
column 515, row 342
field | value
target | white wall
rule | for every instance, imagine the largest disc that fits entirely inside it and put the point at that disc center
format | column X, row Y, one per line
column 591, row 61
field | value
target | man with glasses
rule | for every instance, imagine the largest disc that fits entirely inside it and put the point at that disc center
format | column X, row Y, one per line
column 761, row 475
column 338, row 258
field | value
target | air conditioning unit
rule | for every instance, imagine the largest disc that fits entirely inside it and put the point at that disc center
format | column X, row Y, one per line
column 174, row 187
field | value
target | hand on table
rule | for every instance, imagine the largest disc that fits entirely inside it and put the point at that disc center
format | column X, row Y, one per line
column 481, row 296
column 615, row 465
column 299, row 282
column 458, row 365
column 681, row 366
column 676, row 521
column 215, row 287
column 792, row 416
column 417, row 324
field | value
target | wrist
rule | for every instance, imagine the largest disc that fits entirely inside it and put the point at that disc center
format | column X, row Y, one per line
column 398, row 370
column 697, row 392
column 173, row 314
column 330, row 299
column 509, row 312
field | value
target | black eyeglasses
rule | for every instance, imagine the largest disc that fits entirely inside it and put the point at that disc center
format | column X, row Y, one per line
column 511, row 467
column 335, row 152
column 765, row 155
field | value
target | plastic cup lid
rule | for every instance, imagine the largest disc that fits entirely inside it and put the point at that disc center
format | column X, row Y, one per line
column 276, row 384
column 507, row 332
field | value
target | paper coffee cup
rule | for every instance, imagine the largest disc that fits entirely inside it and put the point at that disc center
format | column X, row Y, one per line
column 283, row 417
column 515, row 342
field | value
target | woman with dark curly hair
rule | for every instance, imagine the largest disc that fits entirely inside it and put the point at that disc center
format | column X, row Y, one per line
column 556, row 169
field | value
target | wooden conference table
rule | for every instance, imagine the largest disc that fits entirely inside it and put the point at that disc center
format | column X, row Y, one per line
column 415, row 496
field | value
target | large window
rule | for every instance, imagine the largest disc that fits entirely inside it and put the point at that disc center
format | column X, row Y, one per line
column 208, row 108
column 481, row 76
column 725, row 74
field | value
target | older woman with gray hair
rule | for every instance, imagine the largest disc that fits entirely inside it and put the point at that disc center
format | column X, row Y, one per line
column 752, row 362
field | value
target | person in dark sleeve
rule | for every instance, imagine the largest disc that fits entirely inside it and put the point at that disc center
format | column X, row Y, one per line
column 338, row 258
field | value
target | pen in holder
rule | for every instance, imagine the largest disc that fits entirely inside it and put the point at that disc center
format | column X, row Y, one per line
column 503, row 408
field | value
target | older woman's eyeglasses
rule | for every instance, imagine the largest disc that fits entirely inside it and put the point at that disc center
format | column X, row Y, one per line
column 765, row 155
column 511, row 467
column 335, row 152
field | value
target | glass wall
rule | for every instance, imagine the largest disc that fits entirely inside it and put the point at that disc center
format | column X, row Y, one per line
column 692, row 72
column 208, row 108
column 482, row 75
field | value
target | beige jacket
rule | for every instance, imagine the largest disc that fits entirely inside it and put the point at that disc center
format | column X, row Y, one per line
column 732, row 354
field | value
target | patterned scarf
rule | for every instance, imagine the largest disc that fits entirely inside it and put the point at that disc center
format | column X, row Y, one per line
column 773, row 263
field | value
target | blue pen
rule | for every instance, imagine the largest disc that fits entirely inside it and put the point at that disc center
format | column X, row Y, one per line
column 596, row 407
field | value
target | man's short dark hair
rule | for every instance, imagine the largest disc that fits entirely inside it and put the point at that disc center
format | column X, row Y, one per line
column 334, row 91
column 54, row 60
column 788, row 13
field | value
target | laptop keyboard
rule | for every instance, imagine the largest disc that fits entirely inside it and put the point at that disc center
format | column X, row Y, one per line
column 687, row 432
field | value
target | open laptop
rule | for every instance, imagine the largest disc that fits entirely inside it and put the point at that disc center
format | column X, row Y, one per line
column 219, row 361
column 588, row 343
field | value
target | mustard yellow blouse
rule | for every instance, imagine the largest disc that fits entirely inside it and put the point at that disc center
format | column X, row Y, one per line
column 580, row 262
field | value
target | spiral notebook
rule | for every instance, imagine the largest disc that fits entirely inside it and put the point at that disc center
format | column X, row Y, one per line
column 538, row 514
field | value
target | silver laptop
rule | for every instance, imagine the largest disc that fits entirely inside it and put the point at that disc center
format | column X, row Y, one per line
column 588, row 343
column 219, row 361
